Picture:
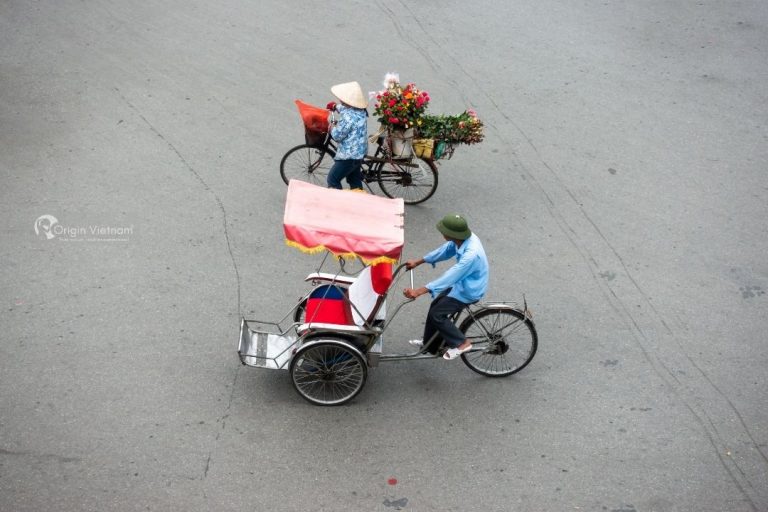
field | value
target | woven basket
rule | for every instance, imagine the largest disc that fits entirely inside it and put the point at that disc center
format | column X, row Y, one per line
column 423, row 148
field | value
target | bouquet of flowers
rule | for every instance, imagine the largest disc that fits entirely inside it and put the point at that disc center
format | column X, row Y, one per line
column 399, row 107
column 465, row 128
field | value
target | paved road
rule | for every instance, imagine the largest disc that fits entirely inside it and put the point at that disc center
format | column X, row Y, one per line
column 621, row 186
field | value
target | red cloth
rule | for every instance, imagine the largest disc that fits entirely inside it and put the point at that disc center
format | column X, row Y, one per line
column 381, row 277
column 315, row 118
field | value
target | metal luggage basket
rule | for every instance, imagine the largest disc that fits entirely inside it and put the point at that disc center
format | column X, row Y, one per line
column 266, row 345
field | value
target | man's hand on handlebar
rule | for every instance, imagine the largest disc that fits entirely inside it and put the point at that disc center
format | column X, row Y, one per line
column 411, row 264
column 412, row 293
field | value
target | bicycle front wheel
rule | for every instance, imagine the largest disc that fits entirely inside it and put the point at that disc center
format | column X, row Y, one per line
column 414, row 181
column 306, row 163
column 504, row 339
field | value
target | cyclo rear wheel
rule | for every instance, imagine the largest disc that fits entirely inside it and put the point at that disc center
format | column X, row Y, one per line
column 412, row 180
column 306, row 163
column 328, row 371
column 506, row 338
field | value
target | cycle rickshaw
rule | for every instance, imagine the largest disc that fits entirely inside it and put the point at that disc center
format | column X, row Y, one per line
column 333, row 335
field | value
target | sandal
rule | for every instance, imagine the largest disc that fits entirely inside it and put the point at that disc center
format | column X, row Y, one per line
column 453, row 353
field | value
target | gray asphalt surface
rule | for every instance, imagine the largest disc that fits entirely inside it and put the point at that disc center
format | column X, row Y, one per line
column 621, row 186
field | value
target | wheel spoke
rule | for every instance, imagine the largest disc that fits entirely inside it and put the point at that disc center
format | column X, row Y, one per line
column 412, row 184
column 497, row 329
column 505, row 342
column 328, row 373
column 306, row 163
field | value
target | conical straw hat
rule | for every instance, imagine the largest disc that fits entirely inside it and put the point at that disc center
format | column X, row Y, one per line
column 350, row 93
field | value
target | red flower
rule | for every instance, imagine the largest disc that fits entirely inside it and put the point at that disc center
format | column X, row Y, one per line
column 394, row 120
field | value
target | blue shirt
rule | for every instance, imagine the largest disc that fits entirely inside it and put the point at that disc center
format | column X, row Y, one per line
column 351, row 132
column 468, row 278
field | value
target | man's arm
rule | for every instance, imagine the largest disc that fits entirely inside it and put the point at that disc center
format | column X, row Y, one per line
column 442, row 253
column 454, row 274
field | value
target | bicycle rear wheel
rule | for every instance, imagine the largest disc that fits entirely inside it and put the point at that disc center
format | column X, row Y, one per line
column 506, row 340
column 328, row 372
column 306, row 163
column 402, row 180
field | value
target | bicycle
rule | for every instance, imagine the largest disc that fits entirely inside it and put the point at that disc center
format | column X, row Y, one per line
column 411, row 178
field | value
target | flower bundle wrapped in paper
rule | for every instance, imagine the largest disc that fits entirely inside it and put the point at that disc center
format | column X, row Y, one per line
column 399, row 107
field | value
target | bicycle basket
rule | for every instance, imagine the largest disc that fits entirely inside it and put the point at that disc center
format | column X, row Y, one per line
column 314, row 138
column 315, row 118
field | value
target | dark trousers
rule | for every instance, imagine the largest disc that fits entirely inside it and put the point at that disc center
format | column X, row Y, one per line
column 439, row 321
column 349, row 169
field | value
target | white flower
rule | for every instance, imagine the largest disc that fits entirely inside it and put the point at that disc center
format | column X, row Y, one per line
column 373, row 94
column 391, row 80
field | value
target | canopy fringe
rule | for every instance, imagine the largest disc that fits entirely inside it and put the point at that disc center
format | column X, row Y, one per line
column 346, row 255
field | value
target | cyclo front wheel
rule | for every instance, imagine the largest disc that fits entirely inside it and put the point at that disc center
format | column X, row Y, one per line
column 306, row 163
column 328, row 371
column 505, row 338
column 412, row 180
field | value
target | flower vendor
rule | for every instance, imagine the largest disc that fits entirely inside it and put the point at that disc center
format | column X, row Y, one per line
column 350, row 131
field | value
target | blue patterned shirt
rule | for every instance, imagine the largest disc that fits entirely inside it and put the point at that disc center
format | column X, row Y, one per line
column 351, row 133
column 468, row 277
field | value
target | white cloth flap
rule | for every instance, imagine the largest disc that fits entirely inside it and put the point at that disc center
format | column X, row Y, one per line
column 363, row 298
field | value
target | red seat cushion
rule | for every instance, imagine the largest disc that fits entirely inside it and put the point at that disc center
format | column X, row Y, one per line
column 327, row 304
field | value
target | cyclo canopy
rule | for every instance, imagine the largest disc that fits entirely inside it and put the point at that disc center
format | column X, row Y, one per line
column 348, row 224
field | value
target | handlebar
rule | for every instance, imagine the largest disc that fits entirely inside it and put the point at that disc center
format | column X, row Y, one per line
column 397, row 271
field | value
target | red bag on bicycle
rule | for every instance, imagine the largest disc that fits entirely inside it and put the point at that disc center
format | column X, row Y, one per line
column 315, row 118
